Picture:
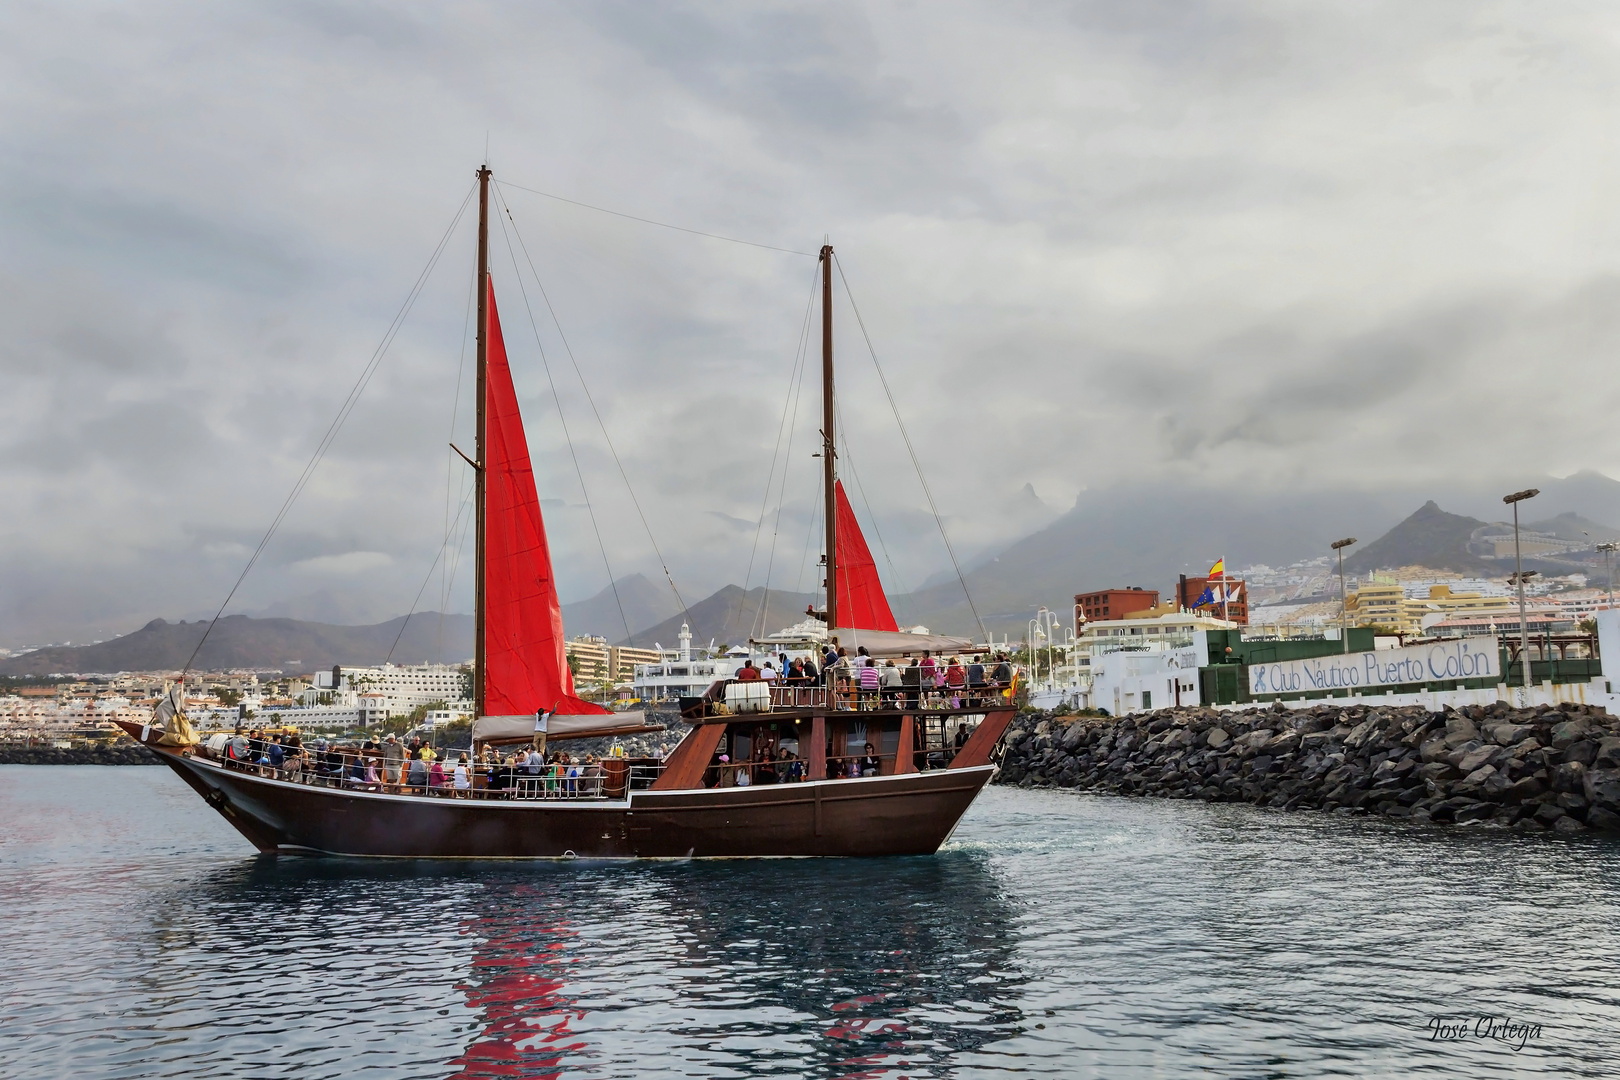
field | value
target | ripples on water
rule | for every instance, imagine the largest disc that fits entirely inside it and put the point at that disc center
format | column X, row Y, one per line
column 1058, row 935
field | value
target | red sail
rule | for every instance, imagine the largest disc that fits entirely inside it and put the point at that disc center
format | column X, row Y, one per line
column 861, row 603
column 526, row 665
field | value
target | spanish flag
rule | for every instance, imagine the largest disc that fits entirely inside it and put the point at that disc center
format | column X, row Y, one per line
column 1219, row 569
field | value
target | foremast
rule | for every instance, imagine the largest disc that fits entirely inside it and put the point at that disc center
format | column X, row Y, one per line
column 829, row 443
column 480, row 452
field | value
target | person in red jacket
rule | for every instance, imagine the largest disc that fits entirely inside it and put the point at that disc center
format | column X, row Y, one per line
column 748, row 672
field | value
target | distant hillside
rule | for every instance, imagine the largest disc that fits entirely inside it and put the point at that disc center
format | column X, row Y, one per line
column 1122, row 537
column 1572, row 526
column 728, row 617
column 242, row 642
column 1430, row 537
column 646, row 603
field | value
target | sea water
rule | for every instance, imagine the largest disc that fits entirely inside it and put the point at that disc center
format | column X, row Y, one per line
column 1056, row 935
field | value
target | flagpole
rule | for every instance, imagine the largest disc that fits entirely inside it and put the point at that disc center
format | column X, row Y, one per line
column 1224, row 591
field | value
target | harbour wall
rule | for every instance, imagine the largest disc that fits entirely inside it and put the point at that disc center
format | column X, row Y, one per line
column 1532, row 769
column 122, row 752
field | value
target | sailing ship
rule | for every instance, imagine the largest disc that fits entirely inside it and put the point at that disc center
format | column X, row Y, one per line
column 886, row 773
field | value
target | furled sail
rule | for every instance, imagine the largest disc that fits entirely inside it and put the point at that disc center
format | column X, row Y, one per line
column 861, row 603
column 170, row 715
column 525, row 659
column 520, row 729
column 883, row 643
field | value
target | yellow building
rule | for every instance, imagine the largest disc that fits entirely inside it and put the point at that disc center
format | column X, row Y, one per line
column 1386, row 604
column 1445, row 604
column 594, row 660
column 1380, row 604
column 623, row 661
column 590, row 657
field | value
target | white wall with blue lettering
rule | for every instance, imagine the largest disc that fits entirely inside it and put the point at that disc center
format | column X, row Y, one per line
column 1443, row 661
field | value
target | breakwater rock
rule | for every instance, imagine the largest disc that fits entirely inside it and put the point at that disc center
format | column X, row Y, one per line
column 1532, row 769
column 122, row 752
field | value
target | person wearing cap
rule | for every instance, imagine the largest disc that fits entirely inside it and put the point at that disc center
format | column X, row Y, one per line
column 393, row 759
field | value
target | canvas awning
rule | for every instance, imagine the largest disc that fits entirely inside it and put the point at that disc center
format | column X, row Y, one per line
column 886, row 643
column 516, row 729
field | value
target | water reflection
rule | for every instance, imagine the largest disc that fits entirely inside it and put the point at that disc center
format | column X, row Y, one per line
column 1150, row 938
column 826, row 968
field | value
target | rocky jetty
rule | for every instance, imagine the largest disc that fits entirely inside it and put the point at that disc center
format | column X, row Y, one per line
column 1531, row 769
column 122, row 752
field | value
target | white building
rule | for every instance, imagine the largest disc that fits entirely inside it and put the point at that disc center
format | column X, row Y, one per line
column 397, row 689
column 1141, row 680
column 457, row 712
column 1170, row 630
column 680, row 674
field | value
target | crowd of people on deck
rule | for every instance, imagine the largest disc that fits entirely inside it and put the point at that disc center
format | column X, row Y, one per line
column 783, row 766
column 863, row 682
column 416, row 768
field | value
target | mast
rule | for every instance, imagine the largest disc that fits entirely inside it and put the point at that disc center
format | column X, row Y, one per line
column 829, row 467
column 483, row 431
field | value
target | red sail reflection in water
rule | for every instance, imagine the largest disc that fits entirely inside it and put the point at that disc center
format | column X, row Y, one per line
column 527, row 1016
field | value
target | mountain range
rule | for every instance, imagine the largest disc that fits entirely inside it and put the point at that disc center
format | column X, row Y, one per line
column 240, row 641
column 1109, row 539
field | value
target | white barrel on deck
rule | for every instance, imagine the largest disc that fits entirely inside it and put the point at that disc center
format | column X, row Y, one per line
column 748, row 697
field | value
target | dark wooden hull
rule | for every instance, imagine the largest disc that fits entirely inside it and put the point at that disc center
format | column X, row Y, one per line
column 906, row 814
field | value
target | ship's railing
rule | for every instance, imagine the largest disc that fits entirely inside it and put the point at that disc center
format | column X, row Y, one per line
column 850, row 696
column 847, row 695
column 606, row 779
column 839, row 767
column 798, row 696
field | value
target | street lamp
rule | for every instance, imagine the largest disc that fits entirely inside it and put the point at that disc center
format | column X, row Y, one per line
column 1344, row 600
column 1608, row 550
column 1514, row 500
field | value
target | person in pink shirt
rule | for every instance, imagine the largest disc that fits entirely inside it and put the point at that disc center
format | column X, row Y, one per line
column 930, row 673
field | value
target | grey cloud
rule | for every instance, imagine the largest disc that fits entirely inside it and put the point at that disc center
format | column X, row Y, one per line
column 156, row 235
column 1124, row 248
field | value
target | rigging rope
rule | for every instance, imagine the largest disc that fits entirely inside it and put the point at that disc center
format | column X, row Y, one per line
column 660, row 224
column 815, row 516
column 906, row 435
column 781, row 495
column 871, row 516
column 450, row 470
column 465, row 502
column 664, row 565
column 572, row 452
column 343, row 412
column 794, row 380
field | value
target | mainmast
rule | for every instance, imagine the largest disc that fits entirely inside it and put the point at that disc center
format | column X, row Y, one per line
column 829, row 443
column 483, row 430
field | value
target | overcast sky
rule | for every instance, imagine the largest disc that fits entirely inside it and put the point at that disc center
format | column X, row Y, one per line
column 1292, row 246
